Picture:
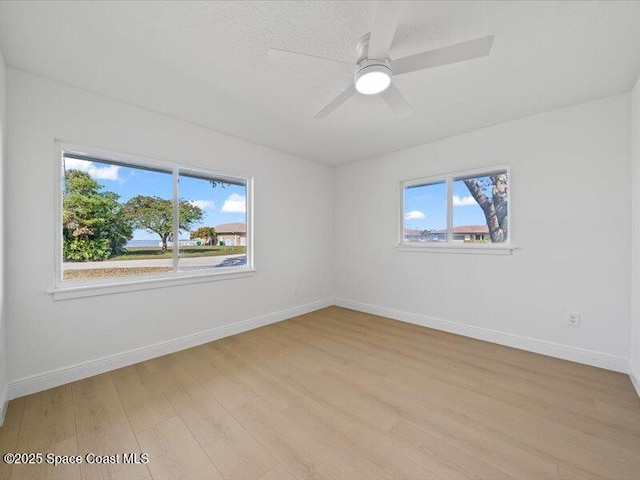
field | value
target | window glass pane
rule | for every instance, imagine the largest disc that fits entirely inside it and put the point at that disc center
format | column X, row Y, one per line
column 470, row 222
column 115, row 219
column 425, row 213
column 213, row 222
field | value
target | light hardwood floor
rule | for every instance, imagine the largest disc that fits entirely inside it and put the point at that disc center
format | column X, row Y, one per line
column 338, row 394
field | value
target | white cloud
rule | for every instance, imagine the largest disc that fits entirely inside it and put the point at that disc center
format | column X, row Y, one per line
column 203, row 204
column 463, row 201
column 234, row 204
column 108, row 172
column 414, row 215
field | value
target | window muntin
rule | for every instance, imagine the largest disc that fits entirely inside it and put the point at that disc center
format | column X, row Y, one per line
column 118, row 220
column 477, row 209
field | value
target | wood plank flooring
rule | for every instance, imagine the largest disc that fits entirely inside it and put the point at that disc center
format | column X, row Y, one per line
column 337, row 394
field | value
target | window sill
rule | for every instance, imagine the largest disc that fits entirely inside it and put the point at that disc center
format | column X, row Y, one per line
column 484, row 249
column 90, row 290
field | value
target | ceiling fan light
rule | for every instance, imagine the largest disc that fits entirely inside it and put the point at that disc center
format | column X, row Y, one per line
column 373, row 79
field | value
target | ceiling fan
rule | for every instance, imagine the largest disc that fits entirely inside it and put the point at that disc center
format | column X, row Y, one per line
column 374, row 70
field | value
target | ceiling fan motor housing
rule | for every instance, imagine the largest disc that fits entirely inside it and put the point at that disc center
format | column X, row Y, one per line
column 370, row 68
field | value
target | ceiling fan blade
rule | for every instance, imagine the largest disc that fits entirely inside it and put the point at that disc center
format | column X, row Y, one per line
column 336, row 102
column 396, row 101
column 278, row 56
column 443, row 56
column 385, row 23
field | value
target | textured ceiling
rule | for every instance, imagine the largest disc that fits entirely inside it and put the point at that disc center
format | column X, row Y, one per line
column 206, row 62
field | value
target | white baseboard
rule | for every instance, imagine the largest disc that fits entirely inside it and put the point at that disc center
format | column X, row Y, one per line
column 635, row 380
column 551, row 349
column 61, row 376
column 4, row 403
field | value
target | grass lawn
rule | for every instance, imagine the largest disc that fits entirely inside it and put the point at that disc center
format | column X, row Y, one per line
column 111, row 272
column 150, row 253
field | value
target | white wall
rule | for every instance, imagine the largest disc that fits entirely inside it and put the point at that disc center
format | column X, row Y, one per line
column 570, row 215
column 47, row 334
column 635, row 247
column 3, row 128
column 570, row 204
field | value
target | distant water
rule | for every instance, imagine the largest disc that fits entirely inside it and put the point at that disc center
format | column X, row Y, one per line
column 142, row 243
column 153, row 243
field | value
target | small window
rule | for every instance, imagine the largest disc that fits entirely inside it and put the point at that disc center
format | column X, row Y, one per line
column 134, row 219
column 464, row 208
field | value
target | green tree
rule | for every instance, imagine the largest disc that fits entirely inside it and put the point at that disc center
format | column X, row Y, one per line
column 207, row 233
column 155, row 215
column 94, row 225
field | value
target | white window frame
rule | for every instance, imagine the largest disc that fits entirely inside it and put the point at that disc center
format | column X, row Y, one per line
column 65, row 289
column 504, row 248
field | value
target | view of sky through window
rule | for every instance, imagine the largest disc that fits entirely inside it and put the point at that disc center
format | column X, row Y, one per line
column 425, row 206
column 118, row 220
column 425, row 209
column 224, row 204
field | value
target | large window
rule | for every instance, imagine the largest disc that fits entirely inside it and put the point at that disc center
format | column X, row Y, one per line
column 469, row 208
column 130, row 219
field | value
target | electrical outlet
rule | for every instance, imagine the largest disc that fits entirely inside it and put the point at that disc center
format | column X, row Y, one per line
column 573, row 319
column 296, row 290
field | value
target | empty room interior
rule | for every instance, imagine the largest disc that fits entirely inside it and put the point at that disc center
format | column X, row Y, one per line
column 320, row 240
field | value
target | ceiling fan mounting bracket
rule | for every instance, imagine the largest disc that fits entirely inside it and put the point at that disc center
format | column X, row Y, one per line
column 370, row 65
column 366, row 63
column 362, row 48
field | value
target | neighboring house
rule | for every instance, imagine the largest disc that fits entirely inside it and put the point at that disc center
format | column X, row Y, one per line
column 232, row 234
column 413, row 235
column 463, row 233
column 470, row 233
